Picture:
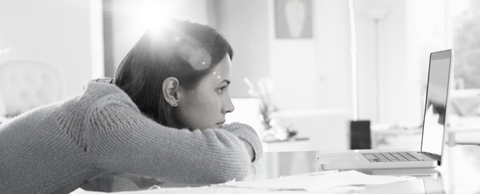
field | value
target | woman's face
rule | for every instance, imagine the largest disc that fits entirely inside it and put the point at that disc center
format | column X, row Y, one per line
column 206, row 105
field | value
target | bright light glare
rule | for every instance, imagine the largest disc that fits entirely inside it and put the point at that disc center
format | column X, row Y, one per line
column 151, row 16
column 458, row 6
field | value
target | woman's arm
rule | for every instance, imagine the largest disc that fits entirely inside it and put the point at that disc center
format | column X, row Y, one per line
column 249, row 137
column 121, row 139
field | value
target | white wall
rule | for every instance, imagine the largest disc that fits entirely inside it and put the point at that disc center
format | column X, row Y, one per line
column 381, row 35
column 56, row 32
column 314, row 73
column 393, row 56
column 333, row 54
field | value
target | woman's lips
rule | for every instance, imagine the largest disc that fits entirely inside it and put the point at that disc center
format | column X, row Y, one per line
column 220, row 124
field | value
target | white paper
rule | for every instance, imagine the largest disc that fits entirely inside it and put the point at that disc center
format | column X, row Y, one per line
column 208, row 190
column 318, row 182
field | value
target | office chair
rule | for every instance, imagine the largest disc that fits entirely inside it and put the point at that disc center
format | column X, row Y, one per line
column 27, row 84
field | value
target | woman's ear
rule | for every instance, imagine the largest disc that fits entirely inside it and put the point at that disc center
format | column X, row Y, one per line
column 170, row 89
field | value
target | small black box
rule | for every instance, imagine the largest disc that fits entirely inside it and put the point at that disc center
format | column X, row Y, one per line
column 360, row 135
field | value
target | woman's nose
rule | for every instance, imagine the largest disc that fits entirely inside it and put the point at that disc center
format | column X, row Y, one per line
column 229, row 107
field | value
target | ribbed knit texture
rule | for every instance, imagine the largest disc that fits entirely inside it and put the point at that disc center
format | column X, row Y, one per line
column 58, row 147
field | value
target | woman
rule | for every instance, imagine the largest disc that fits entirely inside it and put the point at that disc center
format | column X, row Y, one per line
column 162, row 117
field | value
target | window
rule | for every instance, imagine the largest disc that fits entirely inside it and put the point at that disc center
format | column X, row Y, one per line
column 466, row 43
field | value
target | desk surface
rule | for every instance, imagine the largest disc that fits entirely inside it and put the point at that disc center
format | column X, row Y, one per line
column 460, row 172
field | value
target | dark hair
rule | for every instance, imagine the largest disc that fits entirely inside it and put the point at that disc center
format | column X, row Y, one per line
column 181, row 49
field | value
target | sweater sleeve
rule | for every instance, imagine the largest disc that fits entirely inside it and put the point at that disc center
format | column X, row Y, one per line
column 246, row 132
column 121, row 139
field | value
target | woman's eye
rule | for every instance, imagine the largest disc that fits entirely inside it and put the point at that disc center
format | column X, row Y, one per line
column 220, row 90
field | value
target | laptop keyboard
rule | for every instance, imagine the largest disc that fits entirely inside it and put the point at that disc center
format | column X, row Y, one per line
column 393, row 157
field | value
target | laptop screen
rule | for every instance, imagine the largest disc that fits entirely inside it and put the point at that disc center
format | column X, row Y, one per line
column 436, row 102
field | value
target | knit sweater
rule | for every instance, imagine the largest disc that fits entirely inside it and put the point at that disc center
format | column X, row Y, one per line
column 58, row 147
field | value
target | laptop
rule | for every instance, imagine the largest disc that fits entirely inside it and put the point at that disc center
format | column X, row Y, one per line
column 433, row 130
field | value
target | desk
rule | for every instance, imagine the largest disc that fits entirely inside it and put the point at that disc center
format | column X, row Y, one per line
column 459, row 174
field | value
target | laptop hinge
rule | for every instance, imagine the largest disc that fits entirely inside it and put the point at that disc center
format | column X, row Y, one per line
column 431, row 155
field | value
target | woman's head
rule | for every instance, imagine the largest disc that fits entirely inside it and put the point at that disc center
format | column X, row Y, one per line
column 168, row 70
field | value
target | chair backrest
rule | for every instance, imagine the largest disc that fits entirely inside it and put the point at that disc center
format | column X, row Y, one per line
column 25, row 85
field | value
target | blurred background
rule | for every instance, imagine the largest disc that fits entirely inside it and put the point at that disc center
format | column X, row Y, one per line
column 319, row 64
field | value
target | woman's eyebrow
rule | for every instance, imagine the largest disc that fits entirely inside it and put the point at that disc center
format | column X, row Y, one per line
column 226, row 81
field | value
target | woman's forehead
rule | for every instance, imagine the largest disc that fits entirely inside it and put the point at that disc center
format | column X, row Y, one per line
column 223, row 67
column 221, row 71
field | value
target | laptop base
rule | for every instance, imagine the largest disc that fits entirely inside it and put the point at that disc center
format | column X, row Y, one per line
column 356, row 161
